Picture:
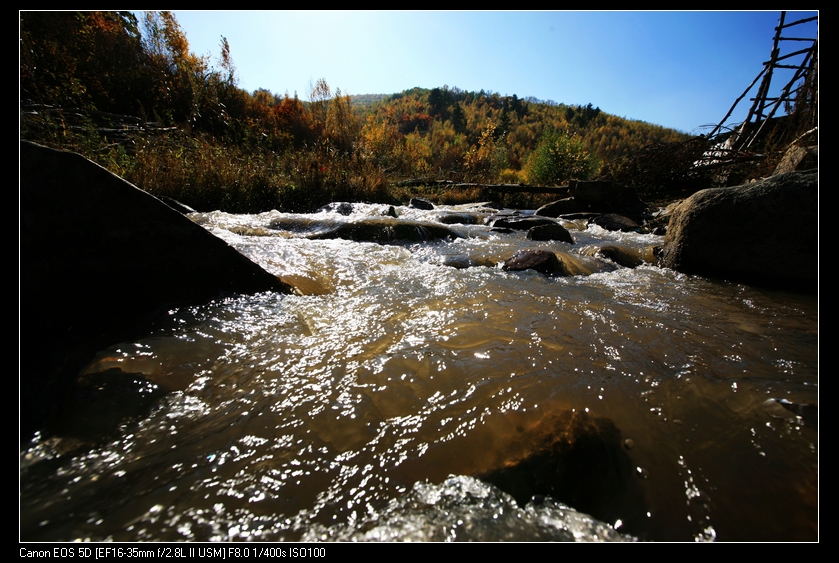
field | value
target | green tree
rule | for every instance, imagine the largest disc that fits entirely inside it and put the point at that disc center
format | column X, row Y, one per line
column 458, row 118
column 559, row 157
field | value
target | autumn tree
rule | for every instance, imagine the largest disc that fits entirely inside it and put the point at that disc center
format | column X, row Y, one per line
column 82, row 59
column 484, row 162
column 342, row 127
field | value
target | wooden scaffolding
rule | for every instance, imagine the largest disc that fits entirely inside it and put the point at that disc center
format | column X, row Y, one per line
column 764, row 106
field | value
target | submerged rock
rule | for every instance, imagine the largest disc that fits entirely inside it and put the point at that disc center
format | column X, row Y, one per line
column 783, row 409
column 460, row 262
column 99, row 402
column 579, row 460
column 465, row 509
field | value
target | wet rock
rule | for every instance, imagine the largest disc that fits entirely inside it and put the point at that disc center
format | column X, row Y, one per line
column 460, row 262
column 544, row 261
column 421, row 203
column 626, row 257
column 342, row 208
column 550, row 231
column 579, row 460
column 740, row 233
column 614, row 222
column 460, row 219
column 390, row 212
column 99, row 261
column 385, row 231
column 463, row 509
column 520, row 223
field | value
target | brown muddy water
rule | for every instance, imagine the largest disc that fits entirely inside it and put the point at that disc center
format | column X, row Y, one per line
column 383, row 403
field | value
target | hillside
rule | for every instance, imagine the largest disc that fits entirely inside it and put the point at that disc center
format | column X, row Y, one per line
column 133, row 97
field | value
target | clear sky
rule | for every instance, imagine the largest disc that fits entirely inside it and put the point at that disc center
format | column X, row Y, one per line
column 678, row 69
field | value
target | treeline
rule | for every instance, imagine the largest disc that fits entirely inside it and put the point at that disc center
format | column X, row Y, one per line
column 131, row 95
column 486, row 136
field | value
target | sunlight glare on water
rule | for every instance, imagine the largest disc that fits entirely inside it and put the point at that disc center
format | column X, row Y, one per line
column 335, row 415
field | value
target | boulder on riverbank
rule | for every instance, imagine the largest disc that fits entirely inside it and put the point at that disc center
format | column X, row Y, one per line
column 100, row 260
column 763, row 233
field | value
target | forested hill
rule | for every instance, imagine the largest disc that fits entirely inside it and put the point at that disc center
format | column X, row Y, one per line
column 131, row 95
column 443, row 123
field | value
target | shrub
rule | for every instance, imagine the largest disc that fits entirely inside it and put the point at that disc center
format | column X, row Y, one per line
column 559, row 157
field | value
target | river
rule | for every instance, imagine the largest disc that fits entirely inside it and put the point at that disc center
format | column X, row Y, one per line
column 382, row 403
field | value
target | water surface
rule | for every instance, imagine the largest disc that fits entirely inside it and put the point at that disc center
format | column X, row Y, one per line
column 366, row 408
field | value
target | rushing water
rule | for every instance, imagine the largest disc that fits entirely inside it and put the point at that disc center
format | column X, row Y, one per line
column 368, row 407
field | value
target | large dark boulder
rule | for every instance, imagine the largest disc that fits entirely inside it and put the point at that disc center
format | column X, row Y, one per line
column 764, row 233
column 605, row 197
column 100, row 260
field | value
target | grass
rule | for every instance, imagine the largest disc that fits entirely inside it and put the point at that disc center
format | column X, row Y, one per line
column 207, row 174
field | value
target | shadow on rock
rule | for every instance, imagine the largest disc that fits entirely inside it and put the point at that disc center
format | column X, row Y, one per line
column 578, row 460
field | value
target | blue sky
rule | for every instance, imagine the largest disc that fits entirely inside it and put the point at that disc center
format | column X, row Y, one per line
column 678, row 69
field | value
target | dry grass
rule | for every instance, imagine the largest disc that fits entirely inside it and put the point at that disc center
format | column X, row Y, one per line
column 208, row 175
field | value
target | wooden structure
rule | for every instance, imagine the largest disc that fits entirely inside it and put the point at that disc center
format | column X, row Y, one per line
column 764, row 106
